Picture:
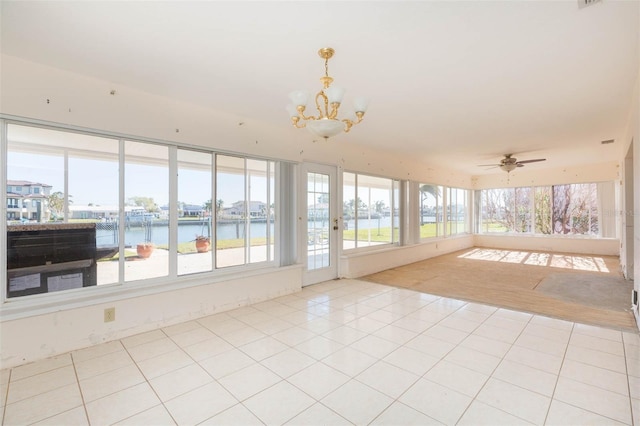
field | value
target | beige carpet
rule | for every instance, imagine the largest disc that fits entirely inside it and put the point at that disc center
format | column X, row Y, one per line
column 612, row 293
column 509, row 278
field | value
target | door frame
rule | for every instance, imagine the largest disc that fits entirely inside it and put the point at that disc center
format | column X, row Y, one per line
column 332, row 271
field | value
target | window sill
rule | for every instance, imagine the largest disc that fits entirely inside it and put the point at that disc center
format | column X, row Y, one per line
column 27, row 306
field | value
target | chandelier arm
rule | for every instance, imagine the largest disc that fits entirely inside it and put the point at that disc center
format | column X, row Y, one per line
column 300, row 110
column 295, row 121
column 326, row 105
column 334, row 110
column 348, row 125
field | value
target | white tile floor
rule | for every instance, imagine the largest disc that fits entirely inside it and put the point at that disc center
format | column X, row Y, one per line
column 341, row 352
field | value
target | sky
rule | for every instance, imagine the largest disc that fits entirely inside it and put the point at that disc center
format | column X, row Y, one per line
column 96, row 181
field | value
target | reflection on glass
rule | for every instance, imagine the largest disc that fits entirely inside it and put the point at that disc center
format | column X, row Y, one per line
column 195, row 207
column 146, row 187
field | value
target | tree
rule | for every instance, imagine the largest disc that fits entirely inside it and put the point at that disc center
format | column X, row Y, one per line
column 56, row 203
column 379, row 207
column 146, row 202
column 425, row 191
column 323, row 199
column 542, row 209
column 352, row 206
column 219, row 206
column 561, row 204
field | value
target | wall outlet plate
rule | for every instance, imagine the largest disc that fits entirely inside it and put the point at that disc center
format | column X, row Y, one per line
column 109, row 314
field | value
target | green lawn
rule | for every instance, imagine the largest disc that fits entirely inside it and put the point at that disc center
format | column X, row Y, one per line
column 382, row 236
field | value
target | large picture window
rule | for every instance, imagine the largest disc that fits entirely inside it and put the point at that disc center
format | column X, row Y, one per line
column 506, row 210
column 85, row 210
column 571, row 209
column 369, row 211
column 443, row 211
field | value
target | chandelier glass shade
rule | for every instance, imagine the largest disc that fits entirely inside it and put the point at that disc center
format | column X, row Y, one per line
column 326, row 123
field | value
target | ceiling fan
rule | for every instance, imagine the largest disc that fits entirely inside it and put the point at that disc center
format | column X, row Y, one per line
column 509, row 163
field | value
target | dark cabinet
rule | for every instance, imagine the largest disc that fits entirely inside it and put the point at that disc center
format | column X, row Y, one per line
column 50, row 257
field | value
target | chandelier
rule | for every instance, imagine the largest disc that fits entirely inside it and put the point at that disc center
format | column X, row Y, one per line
column 328, row 100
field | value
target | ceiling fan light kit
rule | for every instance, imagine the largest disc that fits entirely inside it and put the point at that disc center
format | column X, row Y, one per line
column 510, row 163
column 328, row 101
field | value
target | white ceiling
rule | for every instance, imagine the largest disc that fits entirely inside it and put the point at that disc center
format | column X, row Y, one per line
column 449, row 81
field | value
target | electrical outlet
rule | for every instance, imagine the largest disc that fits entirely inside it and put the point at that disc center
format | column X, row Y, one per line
column 109, row 314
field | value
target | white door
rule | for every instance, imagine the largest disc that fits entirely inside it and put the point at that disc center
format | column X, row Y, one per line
column 320, row 223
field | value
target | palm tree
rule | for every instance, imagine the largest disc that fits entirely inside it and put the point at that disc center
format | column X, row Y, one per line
column 219, row 206
column 426, row 190
column 379, row 206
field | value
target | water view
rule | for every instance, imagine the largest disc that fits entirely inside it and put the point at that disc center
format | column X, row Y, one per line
column 107, row 233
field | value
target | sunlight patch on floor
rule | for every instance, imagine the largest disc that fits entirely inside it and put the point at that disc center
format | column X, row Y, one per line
column 574, row 262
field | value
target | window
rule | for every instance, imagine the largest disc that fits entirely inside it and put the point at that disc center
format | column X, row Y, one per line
column 558, row 209
column 575, row 209
column 117, row 192
column 244, row 213
column 431, row 211
column 369, row 211
column 59, row 161
column 506, row 210
column 195, row 211
column 457, row 211
column 146, row 195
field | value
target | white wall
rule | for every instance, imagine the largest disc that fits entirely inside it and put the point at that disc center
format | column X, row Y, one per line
column 365, row 263
column 599, row 246
column 27, row 338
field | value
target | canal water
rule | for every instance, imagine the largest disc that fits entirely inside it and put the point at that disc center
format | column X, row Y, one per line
column 107, row 232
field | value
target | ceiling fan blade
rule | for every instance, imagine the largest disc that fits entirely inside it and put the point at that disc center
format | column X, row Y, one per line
column 488, row 165
column 532, row 161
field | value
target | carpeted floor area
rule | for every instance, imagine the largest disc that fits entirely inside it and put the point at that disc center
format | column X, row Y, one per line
column 579, row 288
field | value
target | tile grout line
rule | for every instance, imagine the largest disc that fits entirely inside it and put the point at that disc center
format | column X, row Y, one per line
column 6, row 397
column 84, row 403
column 626, row 370
column 474, row 399
column 146, row 379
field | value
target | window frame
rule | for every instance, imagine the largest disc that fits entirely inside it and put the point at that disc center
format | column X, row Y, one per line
column 173, row 279
column 394, row 198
